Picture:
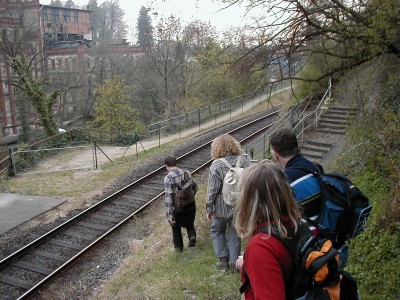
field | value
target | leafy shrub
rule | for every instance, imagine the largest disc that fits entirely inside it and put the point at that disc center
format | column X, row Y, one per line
column 373, row 160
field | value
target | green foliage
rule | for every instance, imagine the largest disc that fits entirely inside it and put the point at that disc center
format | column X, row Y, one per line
column 34, row 90
column 310, row 73
column 373, row 259
column 374, row 162
column 113, row 115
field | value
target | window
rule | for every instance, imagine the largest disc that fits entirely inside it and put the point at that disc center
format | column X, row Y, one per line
column 54, row 15
column 75, row 16
column 45, row 15
column 67, row 15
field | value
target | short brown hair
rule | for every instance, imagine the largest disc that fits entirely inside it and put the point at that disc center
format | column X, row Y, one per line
column 284, row 142
column 170, row 160
column 225, row 145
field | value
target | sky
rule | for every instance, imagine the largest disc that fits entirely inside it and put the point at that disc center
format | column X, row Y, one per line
column 186, row 10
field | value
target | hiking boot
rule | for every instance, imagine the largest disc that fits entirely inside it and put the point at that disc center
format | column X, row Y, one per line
column 232, row 266
column 223, row 265
column 192, row 241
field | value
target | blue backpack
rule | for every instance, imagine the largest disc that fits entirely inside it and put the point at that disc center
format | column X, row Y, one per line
column 344, row 208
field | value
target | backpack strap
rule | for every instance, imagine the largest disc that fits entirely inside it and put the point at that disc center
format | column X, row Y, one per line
column 238, row 162
column 187, row 179
column 226, row 162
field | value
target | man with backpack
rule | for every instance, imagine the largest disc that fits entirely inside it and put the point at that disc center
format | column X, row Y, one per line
column 286, row 152
column 180, row 205
column 330, row 202
column 226, row 152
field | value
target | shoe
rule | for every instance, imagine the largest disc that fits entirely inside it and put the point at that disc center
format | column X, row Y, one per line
column 179, row 250
column 223, row 265
column 192, row 241
column 232, row 266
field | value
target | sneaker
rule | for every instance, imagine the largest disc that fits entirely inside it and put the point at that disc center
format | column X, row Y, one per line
column 192, row 241
column 223, row 265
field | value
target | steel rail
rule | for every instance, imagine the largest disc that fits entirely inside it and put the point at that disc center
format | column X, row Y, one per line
column 11, row 258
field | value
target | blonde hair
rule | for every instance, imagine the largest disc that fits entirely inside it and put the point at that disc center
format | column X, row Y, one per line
column 225, row 145
column 265, row 198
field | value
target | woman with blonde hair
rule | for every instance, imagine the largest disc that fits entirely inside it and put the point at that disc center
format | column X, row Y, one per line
column 224, row 237
column 266, row 202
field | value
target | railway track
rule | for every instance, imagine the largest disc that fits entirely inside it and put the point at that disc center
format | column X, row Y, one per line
column 23, row 272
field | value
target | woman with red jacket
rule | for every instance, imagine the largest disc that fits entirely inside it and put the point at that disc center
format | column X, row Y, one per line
column 266, row 202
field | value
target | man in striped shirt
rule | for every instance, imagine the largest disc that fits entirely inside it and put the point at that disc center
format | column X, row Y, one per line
column 185, row 215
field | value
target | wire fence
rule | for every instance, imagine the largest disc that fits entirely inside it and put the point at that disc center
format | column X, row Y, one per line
column 88, row 155
column 199, row 117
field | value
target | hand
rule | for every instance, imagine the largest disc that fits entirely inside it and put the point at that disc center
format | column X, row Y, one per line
column 171, row 220
column 239, row 262
column 210, row 216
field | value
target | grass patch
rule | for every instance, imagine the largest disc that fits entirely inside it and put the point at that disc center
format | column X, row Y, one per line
column 156, row 271
column 76, row 183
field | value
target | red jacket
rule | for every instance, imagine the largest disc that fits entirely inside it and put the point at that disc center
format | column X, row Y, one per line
column 265, row 258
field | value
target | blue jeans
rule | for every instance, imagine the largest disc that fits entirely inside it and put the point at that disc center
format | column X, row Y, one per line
column 225, row 239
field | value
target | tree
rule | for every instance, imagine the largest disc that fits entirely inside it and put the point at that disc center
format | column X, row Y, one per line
column 112, row 113
column 145, row 29
column 346, row 33
column 56, row 3
column 166, row 60
column 70, row 4
column 109, row 21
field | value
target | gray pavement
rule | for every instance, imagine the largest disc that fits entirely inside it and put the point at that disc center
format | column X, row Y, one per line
column 17, row 209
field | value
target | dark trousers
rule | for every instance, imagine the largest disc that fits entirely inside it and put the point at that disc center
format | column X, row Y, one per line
column 184, row 219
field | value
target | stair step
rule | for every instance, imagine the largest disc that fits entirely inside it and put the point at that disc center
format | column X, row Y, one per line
column 332, row 125
column 333, row 120
column 336, row 116
column 343, row 109
column 318, row 144
column 312, row 156
column 314, row 148
column 330, row 130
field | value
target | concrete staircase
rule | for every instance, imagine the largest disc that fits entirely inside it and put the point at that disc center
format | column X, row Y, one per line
column 315, row 150
column 326, row 137
column 335, row 120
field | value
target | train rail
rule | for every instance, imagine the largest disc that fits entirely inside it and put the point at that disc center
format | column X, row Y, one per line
column 23, row 272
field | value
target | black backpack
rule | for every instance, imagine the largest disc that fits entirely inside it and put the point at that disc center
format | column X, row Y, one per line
column 184, row 195
column 316, row 273
column 344, row 208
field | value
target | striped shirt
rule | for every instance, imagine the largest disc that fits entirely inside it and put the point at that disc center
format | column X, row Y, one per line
column 215, row 202
column 172, row 181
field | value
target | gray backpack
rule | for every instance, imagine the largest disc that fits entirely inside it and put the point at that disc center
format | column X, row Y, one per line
column 230, row 191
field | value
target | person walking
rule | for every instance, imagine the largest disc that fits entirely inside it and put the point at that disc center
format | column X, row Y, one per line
column 286, row 152
column 225, row 240
column 180, row 213
column 266, row 202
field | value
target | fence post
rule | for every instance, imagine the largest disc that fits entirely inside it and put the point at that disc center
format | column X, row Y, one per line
column 12, row 161
column 179, row 126
column 199, row 120
column 95, row 154
column 159, row 137
column 263, row 147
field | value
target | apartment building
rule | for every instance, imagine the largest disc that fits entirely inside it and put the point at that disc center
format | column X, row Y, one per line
column 43, row 29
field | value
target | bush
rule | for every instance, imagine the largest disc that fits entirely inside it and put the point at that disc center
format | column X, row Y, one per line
column 373, row 161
